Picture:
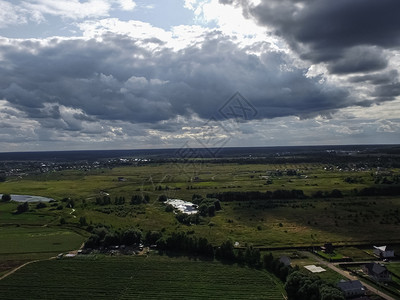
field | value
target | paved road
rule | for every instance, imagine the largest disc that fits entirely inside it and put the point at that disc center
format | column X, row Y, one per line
column 347, row 275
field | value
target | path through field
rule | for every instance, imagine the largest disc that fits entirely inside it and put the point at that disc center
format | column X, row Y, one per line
column 23, row 265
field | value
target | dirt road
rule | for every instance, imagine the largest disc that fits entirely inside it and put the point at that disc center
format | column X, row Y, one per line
column 347, row 275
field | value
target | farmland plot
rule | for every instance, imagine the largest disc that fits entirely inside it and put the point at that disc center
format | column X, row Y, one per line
column 153, row 277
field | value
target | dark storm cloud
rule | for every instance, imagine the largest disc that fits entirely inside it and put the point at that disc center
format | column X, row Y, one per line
column 387, row 92
column 325, row 24
column 349, row 36
column 120, row 79
column 376, row 78
column 359, row 59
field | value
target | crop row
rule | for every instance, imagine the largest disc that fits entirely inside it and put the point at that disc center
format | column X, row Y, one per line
column 132, row 278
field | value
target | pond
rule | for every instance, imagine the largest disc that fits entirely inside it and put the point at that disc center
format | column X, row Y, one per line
column 28, row 198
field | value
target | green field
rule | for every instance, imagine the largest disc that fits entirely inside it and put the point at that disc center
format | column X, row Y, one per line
column 343, row 221
column 394, row 268
column 204, row 177
column 355, row 253
column 19, row 240
column 34, row 235
column 41, row 233
column 154, row 277
column 21, row 244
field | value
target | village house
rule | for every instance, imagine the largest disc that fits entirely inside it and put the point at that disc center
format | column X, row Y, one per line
column 377, row 272
column 351, row 288
column 383, row 252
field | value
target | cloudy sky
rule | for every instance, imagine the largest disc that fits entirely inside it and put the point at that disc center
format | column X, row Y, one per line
column 123, row 74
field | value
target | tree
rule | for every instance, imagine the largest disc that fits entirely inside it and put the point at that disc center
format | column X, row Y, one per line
column 111, row 238
column 152, row 237
column 225, row 251
column 252, row 256
column 41, row 205
column 211, row 210
column 82, row 221
column 217, row 205
column 136, row 199
column 169, row 208
column 131, row 236
column 330, row 293
column 146, row 198
column 203, row 209
column 293, row 284
column 70, row 203
column 162, row 198
column 23, row 207
column 267, row 261
column 3, row 177
column 6, row 197
column 336, row 194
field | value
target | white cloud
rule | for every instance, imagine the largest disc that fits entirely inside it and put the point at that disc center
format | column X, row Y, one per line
column 388, row 126
column 132, row 84
column 11, row 14
column 127, row 5
column 135, row 29
column 71, row 9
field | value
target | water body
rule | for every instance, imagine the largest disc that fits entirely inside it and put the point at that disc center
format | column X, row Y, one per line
column 28, row 198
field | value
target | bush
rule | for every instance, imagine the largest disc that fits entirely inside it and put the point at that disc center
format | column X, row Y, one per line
column 6, row 197
column 162, row 198
column 169, row 208
column 82, row 221
column 22, row 208
column 41, row 205
column 152, row 237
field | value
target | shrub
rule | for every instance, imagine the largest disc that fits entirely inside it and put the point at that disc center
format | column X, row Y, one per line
column 41, row 205
column 6, row 197
column 22, row 208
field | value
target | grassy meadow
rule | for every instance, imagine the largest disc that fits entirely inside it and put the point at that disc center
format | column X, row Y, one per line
column 43, row 232
column 344, row 220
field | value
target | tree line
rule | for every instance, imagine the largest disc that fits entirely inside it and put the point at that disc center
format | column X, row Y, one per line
column 135, row 199
column 231, row 196
column 299, row 286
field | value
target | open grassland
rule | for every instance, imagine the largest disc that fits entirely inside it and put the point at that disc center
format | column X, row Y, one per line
column 182, row 179
column 356, row 254
column 21, row 244
column 15, row 240
column 153, row 277
column 33, row 235
column 268, row 223
column 394, row 268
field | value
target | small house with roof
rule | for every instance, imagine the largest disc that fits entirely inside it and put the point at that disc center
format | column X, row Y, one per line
column 377, row 272
column 351, row 288
column 383, row 252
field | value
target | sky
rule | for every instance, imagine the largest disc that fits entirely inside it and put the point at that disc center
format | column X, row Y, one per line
column 124, row 74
